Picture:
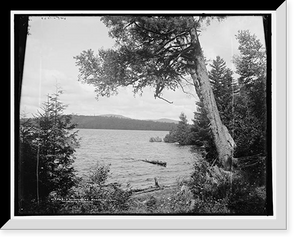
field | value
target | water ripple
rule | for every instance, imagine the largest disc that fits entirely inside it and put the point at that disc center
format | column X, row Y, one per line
column 124, row 150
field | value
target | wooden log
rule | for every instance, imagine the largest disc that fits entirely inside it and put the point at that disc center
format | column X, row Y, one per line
column 146, row 190
column 155, row 162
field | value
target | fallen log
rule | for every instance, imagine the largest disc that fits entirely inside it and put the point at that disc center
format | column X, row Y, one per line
column 139, row 191
column 146, row 190
column 155, row 162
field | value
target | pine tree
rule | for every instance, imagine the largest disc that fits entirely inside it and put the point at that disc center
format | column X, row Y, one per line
column 181, row 134
column 224, row 90
column 251, row 66
column 201, row 132
column 56, row 148
column 47, row 146
column 183, row 130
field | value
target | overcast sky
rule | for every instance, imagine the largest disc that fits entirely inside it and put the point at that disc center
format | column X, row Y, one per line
column 53, row 43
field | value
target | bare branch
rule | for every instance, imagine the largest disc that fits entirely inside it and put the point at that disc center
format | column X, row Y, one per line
column 189, row 82
column 158, row 96
column 182, row 88
column 186, row 92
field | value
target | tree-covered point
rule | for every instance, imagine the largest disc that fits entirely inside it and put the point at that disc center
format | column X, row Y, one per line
column 181, row 134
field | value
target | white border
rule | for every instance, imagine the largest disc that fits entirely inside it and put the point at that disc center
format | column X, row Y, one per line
column 278, row 221
column 120, row 12
column 274, row 91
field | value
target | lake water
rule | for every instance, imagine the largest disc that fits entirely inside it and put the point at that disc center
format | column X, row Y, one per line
column 124, row 150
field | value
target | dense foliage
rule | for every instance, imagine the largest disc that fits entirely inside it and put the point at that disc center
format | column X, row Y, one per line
column 47, row 146
column 251, row 102
column 95, row 196
column 219, row 192
column 154, row 51
column 241, row 103
column 181, row 134
column 242, row 107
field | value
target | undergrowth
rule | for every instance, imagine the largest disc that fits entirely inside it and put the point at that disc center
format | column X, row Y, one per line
column 209, row 191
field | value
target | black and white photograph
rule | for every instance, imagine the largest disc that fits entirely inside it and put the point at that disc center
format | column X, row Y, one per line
column 144, row 114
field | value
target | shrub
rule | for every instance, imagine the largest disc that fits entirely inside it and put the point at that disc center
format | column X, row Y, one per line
column 181, row 201
column 219, row 192
column 96, row 196
column 170, row 137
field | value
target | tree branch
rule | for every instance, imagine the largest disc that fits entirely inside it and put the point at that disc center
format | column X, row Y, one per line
column 182, row 88
column 190, row 83
column 142, row 27
column 169, row 41
column 158, row 96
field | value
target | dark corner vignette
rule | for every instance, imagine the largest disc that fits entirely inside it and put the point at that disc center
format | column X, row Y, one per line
column 21, row 28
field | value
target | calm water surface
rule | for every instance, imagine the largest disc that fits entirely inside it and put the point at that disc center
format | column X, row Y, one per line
column 124, row 150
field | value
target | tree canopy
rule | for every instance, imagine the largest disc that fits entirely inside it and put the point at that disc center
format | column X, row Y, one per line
column 154, row 51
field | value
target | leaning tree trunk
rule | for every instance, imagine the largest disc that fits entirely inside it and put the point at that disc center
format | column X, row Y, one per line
column 222, row 138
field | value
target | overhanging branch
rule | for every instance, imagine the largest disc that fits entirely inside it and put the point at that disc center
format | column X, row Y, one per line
column 158, row 96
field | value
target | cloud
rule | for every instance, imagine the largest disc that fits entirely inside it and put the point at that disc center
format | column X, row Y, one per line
column 49, row 61
column 81, row 98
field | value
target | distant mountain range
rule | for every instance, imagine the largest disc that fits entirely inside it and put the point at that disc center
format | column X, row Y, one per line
column 115, row 116
column 113, row 121
column 166, row 120
column 157, row 120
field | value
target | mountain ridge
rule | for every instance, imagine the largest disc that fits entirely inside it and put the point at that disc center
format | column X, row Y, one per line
column 115, row 115
column 118, row 122
column 167, row 120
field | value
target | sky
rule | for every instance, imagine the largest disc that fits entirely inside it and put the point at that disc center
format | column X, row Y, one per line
column 49, row 62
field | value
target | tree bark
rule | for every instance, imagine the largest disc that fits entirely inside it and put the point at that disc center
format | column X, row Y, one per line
column 224, row 142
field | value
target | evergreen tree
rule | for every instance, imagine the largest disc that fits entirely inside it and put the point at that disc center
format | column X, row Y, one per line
column 251, row 63
column 47, row 146
column 251, row 66
column 181, row 134
column 242, row 105
column 183, row 130
column 224, row 90
column 201, row 132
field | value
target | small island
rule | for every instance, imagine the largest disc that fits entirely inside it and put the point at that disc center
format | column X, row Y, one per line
column 155, row 139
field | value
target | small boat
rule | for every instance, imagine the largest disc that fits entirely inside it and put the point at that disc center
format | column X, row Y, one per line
column 155, row 162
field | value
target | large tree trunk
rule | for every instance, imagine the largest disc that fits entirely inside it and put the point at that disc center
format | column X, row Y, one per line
column 222, row 138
